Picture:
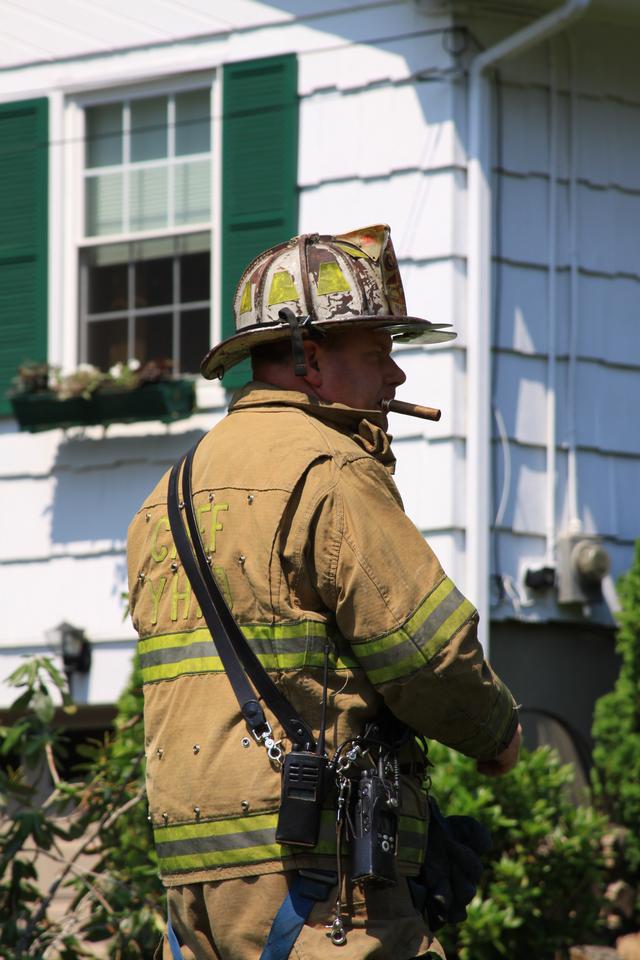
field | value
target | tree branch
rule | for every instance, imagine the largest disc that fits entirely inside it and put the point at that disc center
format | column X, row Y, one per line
column 103, row 824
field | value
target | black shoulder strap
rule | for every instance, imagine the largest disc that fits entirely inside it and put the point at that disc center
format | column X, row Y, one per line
column 238, row 659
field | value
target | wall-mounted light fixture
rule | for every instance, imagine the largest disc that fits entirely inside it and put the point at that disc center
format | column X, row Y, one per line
column 71, row 643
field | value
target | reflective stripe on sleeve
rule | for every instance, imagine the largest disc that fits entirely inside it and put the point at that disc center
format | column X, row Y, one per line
column 412, row 839
column 289, row 646
column 401, row 652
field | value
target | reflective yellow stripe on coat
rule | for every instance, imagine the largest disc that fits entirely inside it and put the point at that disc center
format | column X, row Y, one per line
column 252, row 839
column 294, row 646
column 290, row 646
column 401, row 652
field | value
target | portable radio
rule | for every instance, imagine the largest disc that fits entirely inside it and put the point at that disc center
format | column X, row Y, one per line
column 303, row 790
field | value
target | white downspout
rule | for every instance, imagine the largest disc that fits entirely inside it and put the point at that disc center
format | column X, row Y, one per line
column 552, row 266
column 574, row 525
column 478, row 330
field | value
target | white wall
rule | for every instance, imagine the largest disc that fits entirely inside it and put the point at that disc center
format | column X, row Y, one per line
column 595, row 291
column 379, row 143
column 66, row 500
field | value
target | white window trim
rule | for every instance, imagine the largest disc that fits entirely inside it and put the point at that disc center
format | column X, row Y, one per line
column 66, row 213
column 56, row 266
column 211, row 393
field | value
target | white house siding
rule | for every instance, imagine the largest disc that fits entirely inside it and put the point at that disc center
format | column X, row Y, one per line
column 560, row 658
column 598, row 230
column 66, row 504
column 379, row 143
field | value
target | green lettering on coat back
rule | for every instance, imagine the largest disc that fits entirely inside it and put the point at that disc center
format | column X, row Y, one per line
column 177, row 595
column 216, row 526
column 156, row 595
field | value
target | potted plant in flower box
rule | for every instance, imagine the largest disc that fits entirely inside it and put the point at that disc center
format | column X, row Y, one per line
column 42, row 399
column 133, row 392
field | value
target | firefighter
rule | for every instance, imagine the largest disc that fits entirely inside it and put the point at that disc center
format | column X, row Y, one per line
column 337, row 593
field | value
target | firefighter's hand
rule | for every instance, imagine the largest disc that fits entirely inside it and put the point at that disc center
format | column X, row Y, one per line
column 505, row 761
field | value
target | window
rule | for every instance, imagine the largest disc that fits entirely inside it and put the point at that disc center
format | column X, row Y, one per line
column 145, row 256
column 146, row 299
column 133, row 211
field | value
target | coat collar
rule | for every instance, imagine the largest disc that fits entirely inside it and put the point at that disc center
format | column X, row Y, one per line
column 367, row 428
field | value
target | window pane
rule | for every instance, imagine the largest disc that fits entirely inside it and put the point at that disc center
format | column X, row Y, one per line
column 148, row 129
column 193, row 124
column 194, row 339
column 148, row 199
column 192, row 192
column 193, row 243
column 194, row 277
column 108, row 254
column 154, row 286
column 104, row 135
column 108, row 288
column 107, row 342
column 104, row 204
column 153, row 249
column 153, row 262
column 154, row 338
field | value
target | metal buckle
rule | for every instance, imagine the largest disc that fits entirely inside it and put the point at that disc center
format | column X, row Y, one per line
column 273, row 748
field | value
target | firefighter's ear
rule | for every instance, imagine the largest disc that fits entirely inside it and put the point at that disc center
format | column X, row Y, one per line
column 314, row 376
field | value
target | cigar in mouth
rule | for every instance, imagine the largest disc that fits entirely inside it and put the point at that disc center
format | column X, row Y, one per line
column 410, row 409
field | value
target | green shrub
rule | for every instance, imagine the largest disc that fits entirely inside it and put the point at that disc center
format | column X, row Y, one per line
column 541, row 892
column 542, row 889
column 130, row 912
column 616, row 731
column 118, row 899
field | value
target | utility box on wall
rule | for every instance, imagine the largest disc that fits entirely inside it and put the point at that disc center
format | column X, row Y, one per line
column 583, row 563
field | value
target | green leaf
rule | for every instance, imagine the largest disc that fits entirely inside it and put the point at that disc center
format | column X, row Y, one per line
column 43, row 706
column 12, row 737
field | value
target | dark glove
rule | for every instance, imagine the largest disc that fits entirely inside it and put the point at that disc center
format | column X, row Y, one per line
column 452, row 868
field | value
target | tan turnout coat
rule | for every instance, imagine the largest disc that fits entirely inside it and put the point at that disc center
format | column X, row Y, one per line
column 309, row 541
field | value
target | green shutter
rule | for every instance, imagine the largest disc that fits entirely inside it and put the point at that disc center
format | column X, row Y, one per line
column 259, row 170
column 23, row 238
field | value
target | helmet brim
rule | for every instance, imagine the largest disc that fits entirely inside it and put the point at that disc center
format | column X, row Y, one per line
column 232, row 351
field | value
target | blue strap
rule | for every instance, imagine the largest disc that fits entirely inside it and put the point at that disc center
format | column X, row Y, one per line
column 174, row 946
column 306, row 888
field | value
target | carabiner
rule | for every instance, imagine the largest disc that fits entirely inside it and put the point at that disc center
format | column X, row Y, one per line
column 337, row 933
column 273, row 748
column 274, row 751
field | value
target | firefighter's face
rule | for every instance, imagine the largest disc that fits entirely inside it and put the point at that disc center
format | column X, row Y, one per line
column 355, row 368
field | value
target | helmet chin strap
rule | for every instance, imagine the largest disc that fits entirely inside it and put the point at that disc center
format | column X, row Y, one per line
column 296, row 326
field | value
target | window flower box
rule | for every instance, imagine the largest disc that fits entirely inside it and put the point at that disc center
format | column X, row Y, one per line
column 166, row 401
column 44, row 401
column 46, row 411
